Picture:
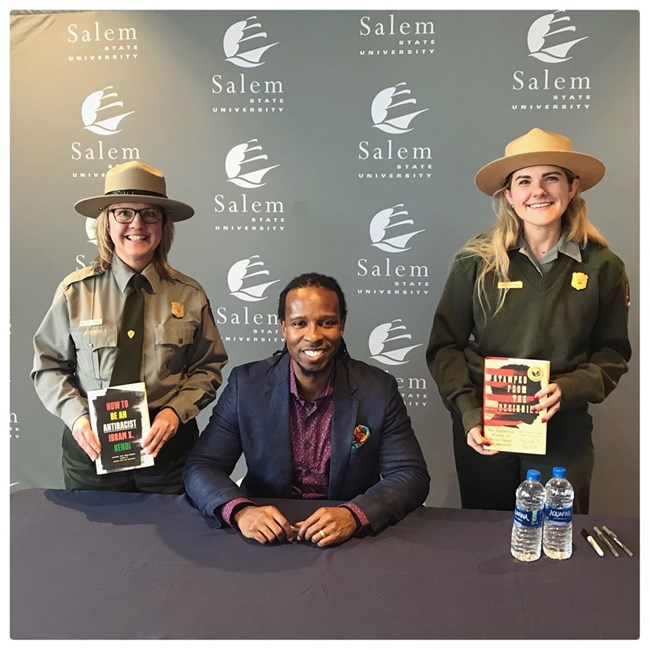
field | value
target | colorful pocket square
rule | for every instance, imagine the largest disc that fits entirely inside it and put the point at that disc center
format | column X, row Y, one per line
column 360, row 435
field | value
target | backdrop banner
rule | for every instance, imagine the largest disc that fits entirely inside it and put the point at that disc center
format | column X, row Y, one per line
column 342, row 142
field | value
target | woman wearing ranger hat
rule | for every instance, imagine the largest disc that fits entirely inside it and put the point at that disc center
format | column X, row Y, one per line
column 541, row 284
column 179, row 350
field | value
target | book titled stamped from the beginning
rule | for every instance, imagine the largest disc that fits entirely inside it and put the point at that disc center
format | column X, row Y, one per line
column 120, row 418
column 509, row 421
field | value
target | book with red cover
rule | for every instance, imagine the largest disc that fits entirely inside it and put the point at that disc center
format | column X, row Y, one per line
column 509, row 387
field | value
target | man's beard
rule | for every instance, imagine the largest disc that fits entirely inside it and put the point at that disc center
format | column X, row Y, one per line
column 318, row 372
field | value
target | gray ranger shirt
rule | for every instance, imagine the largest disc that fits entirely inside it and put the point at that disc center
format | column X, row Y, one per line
column 75, row 345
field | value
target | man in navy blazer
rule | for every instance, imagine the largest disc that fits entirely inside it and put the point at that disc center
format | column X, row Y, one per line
column 311, row 423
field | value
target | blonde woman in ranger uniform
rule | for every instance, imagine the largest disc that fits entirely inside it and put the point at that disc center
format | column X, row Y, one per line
column 83, row 342
column 541, row 284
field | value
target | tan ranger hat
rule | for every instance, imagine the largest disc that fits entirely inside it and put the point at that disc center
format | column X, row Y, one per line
column 538, row 147
column 134, row 182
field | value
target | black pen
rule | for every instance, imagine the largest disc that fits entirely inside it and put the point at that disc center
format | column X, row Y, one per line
column 592, row 542
column 614, row 536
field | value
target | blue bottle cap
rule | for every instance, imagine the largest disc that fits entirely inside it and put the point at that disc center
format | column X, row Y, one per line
column 533, row 475
column 559, row 472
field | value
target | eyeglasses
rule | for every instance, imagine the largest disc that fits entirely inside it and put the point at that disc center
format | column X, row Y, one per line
column 127, row 215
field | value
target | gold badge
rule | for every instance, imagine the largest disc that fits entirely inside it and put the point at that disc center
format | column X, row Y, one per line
column 579, row 281
column 130, row 334
column 535, row 373
column 515, row 284
column 178, row 309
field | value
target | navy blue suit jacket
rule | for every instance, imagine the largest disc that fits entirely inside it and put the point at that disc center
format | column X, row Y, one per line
column 386, row 476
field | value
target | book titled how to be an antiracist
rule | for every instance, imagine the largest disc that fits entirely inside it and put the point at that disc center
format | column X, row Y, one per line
column 120, row 417
column 509, row 421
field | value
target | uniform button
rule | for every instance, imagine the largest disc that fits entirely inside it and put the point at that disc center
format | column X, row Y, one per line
column 180, row 341
column 308, row 445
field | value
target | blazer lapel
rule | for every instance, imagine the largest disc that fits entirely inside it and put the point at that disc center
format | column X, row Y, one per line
column 276, row 416
column 344, row 417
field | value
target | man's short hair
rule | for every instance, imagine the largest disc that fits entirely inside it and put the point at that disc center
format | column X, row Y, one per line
column 313, row 280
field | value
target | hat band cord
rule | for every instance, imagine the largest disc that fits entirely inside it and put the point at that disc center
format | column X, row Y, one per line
column 140, row 192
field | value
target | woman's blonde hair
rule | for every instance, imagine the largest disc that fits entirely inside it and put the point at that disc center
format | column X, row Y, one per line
column 105, row 246
column 492, row 246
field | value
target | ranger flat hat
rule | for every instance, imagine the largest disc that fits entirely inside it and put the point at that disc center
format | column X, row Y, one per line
column 134, row 182
column 538, row 147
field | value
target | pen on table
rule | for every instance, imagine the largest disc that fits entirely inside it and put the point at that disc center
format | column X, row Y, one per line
column 592, row 542
column 614, row 536
column 605, row 541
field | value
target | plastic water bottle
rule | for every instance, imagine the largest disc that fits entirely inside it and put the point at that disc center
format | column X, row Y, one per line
column 558, row 513
column 526, row 540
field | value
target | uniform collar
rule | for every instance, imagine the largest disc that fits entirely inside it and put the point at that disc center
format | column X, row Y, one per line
column 564, row 246
column 123, row 273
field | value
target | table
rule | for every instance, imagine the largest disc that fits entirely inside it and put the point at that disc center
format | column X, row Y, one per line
column 105, row 565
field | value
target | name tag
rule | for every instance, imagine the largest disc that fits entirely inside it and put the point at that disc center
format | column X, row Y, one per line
column 515, row 284
column 90, row 323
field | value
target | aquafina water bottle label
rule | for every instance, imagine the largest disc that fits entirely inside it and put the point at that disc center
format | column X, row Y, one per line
column 558, row 515
column 529, row 518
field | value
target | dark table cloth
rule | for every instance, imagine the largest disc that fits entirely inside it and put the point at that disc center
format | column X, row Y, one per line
column 102, row 565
